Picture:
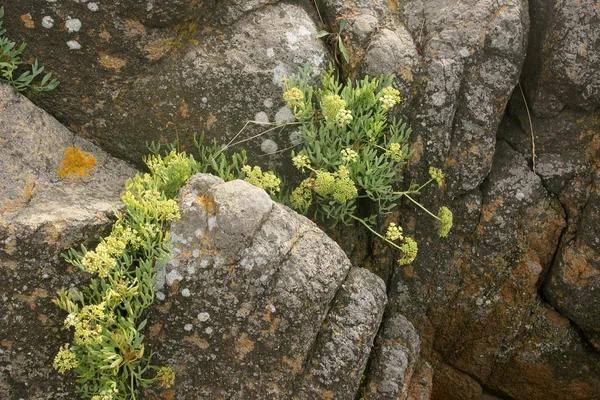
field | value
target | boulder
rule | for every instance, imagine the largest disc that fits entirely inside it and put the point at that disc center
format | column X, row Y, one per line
column 481, row 305
column 42, row 215
column 257, row 302
column 164, row 70
column 562, row 66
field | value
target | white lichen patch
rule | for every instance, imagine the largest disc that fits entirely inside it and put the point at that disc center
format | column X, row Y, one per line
column 73, row 24
column 47, row 22
column 268, row 103
column 203, row 316
column 73, row 45
column 212, row 223
column 185, row 292
column 295, row 139
column 160, row 296
column 93, row 6
column 188, row 327
column 294, row 38
column 208, row 330
column 196, row 253
column 268, row 146
column 270, row 52
column 284, row 115
column 173, row 276
column 279, row 74
column 261, row 118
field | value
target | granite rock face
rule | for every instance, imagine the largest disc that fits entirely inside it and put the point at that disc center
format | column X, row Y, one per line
column 194, row 65
column 257, row 302
column 42, row 215
column 563, row 61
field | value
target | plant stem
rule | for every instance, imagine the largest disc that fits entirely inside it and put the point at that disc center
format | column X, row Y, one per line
column 375, row 232
column 423, row 208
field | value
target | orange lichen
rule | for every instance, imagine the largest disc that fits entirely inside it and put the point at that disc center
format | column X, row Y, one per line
column 207, row 203
column 76, row 163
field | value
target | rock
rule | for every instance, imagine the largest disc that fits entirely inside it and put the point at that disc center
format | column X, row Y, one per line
column 258, row 302
column 562, row 67
column 42, row 215
column 452, row 384
column 421, row 383
column 394, row 360
column 190, row 72
column 567, row 154
column 481, row 292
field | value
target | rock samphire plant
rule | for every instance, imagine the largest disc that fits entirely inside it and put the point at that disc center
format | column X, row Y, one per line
column 10, row 60
column 352, row 149
column 107, row 353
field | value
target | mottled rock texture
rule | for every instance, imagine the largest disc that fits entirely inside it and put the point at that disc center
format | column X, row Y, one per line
column 259, row 303
column 42, row 215
column 563, row 61
column 164, row 70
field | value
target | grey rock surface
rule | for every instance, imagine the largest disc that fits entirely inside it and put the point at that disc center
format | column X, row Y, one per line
column 42, row 215
column 194, row 65
column 563, row 63
column 260, row 303
column 394, row 360
column 567, row 156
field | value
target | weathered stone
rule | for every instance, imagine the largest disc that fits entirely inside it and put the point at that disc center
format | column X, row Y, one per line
column 452, row 384
column 42, row 215
column 563, row 62
column 421, row 383
column 394, row 359
column 190, row 73
column 567, row 149
column 258, row 302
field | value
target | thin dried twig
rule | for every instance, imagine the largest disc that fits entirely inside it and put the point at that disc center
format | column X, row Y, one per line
column 533, row 155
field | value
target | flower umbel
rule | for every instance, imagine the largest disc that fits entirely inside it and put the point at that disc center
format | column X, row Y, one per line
column 394, row 232
column 293, row 96
column 410, row 250
column 395, row 152
column 166, row 377
column 437, row 175
column 267, row 181
column 349, row 156
column 301, row 162
column 445, row 217
column 65, row 359
column 389, row 97
column 332, row 105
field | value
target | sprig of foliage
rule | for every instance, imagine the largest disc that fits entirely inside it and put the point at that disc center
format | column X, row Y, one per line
column 336, row 40
column 107, row 353
column 10, row 60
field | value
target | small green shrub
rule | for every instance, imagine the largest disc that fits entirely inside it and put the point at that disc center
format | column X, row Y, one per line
column 107, row 353
column 10, row 60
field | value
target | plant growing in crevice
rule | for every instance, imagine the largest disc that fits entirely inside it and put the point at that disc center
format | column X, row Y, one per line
column 353, row 149
column 10, row 61
column 335, row 41
column 107, row 353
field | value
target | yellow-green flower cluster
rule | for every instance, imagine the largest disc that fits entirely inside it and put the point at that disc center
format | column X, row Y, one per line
column 410, row 250
column 445, row 217
column 338, row 185
column 301, row 197
column 149, row 202
column 394, row 232
column 88, row 323
column 437, row 175
column 65, row 359
column 349, row 156
column 293, row 96
column 100, row 261
column 166, row 377
column 334, row 108
column 301, row 162
column 395, row 152
column 107, row 394
column 389, row 97
column 267, row 181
